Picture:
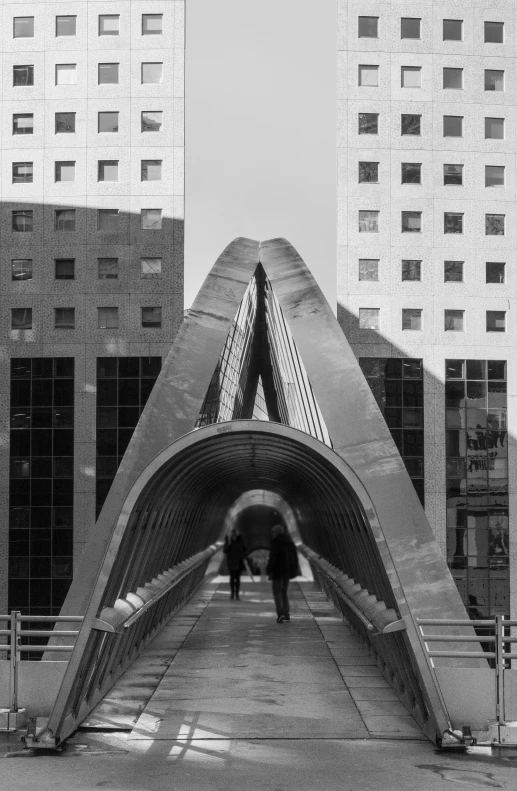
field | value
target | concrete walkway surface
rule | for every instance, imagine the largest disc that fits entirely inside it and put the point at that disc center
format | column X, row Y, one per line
column 225, row 698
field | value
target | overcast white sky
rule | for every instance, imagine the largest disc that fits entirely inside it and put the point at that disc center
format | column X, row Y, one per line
column 260, row 131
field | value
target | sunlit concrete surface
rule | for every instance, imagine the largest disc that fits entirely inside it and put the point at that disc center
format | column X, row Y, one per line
column 226, row 698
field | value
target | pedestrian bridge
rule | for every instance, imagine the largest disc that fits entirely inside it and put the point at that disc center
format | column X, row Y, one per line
column 260, row 392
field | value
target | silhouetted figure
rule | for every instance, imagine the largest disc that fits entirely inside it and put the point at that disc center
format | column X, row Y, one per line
column 235, row 552
column 282, row 566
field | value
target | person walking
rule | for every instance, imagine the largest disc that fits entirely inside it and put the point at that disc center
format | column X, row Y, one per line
column 235, row 552
column 282, row 567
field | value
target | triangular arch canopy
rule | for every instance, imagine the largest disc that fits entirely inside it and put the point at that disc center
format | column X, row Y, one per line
column 260, row 390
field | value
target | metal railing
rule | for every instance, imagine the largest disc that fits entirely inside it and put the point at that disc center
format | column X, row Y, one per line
column 15, row 647
column 497, row 657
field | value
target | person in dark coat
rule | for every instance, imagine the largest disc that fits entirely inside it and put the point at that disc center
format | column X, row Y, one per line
column 235, row 552
column 282, row 566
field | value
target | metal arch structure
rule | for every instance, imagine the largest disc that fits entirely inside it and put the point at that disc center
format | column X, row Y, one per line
column 335, row 464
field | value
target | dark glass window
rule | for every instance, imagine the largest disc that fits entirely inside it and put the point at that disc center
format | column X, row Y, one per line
column 368, row 172
column 453, row 222
column 152, row 120
column 410, row 27
column 494, row 176
column 453, row 175
column 64, row 268
column 368, row 124
column 65, row 123
column 66, row 25
column 152, row 24
column 152, row 317
column 64, row 318
column 410, row 124
column 494, row 224
column 23, row 27
column 368, row 269
column 411, row 269
column 453, row 271
column 495, row 272
column 41, row 450
column 411, row 172
column 453, row 126
column 496, row 321
column 397, row 385
column 123, row 386
column 23, row 124
column 368, row 27
column 452, row 79
column 108, row 73
column 23, row 172
column 494, row 128
column 21, row 269
column 23, row 75
column 23, row 221
column 494, row 80
column 108, row 121
column 107, row 268
column 64, row 219
column 411, row 318
column 454, row 320
column 494, row 32
column 21, row 318
column 453, row 30
column 411, row 222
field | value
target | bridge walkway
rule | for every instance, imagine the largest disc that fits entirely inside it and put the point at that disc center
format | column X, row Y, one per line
column 224, row 670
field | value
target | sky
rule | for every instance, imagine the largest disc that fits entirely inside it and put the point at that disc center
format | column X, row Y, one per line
column 260, row 131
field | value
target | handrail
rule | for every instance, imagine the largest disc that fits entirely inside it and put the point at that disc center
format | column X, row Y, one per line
column 373, row 613
column 125, row 612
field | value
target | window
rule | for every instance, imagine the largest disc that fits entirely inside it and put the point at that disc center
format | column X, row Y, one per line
column 368, row 172
column 411, row 172
column 21, row 269
column 411, row 270
column 151, row 267
column 453, row 29
column 152, row 73
column 23, row 124
column 453, row 271
column 108, row 220
column 494, row 80
column 152, row 24
column 107, row 268
column 66, row 25
column 368, row 269
column 23, row 27
column 23, row 172
column 23, row 75
column 452, row 222
column 109, row 24
column 64, row 220
column 453, row 320
column 453, row 79
column 495, row 272
column 368, row 124
column 453, row 175
column 411, row 318
column 108, row 73
column 410, row 76
column 411, row 222
column 368, row 221
column 368, row 26
column 494, row 32
column 494, row 128
column 369, row 76
column 107, row 318
column 453, row 126
column 151, row 219
column 496, row 321
column 21, row 318
column 410, row 124
column 494, row 176
column 369, row 318
column 22, row 220
column 64, row 268
column 410, row 27
column 151, row 170
column 494, row 224
column 151, row 317
column 108, row 122
column 107, row 170
column 152, row 120
column 64, row 318
column 66, row 74
column 65, row 123
column 65, row 171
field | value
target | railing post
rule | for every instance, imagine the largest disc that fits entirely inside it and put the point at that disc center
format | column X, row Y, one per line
column 499, row 668
column 14, row 653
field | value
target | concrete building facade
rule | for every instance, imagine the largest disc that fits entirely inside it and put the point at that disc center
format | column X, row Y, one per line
column 426, row 261
column 92, row 264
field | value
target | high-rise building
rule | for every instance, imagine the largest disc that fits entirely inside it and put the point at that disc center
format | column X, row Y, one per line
column 426, row 250
column 91, row 260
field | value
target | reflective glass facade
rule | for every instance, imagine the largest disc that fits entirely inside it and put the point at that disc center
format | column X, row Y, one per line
column 398, row 386
column 477, row 484
column 41, row 483
column 123, row 387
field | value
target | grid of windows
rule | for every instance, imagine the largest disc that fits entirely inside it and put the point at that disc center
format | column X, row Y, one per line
column 398, row 387
column 41, row 483
column 123, row 387
column 477, row 484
